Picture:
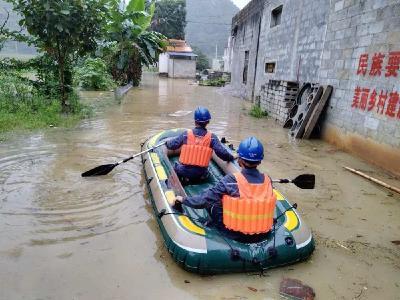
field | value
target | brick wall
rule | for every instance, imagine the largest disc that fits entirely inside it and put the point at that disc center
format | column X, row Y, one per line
column 323, row 41
column 359, row 30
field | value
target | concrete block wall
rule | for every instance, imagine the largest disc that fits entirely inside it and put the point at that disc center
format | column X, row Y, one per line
column 353, row 45
column 244, row 40
column 359, row 29
column 277, row 98
column 181, row 68
column 295, row 45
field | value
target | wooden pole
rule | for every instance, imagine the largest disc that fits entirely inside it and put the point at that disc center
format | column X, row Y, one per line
column 390, row 187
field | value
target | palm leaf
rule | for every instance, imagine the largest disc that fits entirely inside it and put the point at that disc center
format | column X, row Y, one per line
column 143, row 55
column 136, row 5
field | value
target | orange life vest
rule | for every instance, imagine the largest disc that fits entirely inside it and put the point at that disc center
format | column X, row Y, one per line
column 253, row 212
column 197, row 150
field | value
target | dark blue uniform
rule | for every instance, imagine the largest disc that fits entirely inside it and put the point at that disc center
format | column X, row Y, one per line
column 212, row 199
column 193, row 173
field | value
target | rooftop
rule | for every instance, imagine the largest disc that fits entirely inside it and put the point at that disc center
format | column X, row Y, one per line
column 178, row 46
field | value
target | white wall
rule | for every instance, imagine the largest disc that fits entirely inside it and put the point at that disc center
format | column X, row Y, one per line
column 163, row 63
column 181, row 68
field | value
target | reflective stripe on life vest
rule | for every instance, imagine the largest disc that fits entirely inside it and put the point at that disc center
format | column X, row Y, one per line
column 253, row 211
column 197, row 150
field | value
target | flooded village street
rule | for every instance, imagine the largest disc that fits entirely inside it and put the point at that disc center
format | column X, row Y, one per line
column 66, row 237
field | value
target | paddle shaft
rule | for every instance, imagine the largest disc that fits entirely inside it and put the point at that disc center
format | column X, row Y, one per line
column 282, row 181
column 140, row 153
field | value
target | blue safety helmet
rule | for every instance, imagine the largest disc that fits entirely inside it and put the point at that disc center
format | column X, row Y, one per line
column 201, row 115
column 251, row 149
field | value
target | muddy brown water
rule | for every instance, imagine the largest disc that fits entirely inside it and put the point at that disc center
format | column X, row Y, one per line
column 64, row 237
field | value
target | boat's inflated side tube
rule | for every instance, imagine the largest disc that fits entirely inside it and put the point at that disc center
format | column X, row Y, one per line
column 197, row 150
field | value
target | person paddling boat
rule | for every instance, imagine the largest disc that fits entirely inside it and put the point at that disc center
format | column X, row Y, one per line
column 242, row 203
column 197, row 146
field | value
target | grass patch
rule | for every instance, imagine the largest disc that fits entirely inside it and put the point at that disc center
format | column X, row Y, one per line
column 257, row 112
column 213, row 82
column 25, row 107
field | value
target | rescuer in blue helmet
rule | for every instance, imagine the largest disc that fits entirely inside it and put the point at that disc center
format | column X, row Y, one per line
column 251, row 150
column 197, row 146
column 202, row 115
column 250, row 186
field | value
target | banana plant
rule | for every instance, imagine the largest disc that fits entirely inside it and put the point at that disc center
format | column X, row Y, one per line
column 130, row 44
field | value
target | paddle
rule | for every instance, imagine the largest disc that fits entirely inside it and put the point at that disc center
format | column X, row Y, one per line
column 105, row 169
column 304, row 181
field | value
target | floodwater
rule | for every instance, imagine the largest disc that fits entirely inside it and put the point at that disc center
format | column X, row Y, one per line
column 65, row 237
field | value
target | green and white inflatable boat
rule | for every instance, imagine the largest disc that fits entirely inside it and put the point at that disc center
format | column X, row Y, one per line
column 199, row 247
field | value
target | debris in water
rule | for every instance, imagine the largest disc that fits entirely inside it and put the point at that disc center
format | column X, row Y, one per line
column 331, row 151
column 396, row 243
column 344, row 247
column 362, row 290
column 187, row 281
column 390, row 187
column 180, row 113
column 295, row 289
column 252, row 289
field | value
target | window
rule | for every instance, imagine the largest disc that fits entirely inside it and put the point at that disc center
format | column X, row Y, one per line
column 235, row 31
column 270, row 67
column 246, row 66
column 276, row 15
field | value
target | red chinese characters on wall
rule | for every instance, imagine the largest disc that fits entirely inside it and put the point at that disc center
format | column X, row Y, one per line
column 362, row 64
column 382, row 102
column 393, row 64
column 387, row 103
column 391, row 68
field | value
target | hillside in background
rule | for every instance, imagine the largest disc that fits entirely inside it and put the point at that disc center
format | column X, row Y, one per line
column 209, row 24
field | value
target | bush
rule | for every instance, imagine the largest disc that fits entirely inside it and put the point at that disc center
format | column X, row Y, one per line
column 25, row 106
column 93, row 75
column 257, row 112
column 213, row 82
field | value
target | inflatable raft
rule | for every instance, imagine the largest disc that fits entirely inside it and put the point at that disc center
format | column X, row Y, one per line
column 199, row 247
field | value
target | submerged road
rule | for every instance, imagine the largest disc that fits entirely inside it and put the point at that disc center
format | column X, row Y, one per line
column 65, row 237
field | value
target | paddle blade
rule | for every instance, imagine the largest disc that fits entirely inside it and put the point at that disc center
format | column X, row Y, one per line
column 100, row 170
column 305, row 181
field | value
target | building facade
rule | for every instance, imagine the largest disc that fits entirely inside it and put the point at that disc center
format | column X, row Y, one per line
column 353, row 45
column 178, row 61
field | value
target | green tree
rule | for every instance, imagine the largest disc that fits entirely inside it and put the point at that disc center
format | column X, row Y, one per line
column 170, row 18
column 202, row 61
column 130, row 44
column 64, row 30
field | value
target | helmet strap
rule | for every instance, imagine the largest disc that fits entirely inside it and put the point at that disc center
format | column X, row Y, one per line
column 202, row 124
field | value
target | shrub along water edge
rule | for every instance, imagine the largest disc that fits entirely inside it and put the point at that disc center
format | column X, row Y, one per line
column 257, row 112
column 93, row 75
column 24, row 106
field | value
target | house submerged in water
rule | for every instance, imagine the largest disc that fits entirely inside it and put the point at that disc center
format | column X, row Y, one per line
column 178, row 61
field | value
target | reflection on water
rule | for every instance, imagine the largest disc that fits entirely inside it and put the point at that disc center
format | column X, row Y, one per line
column 65, row 237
